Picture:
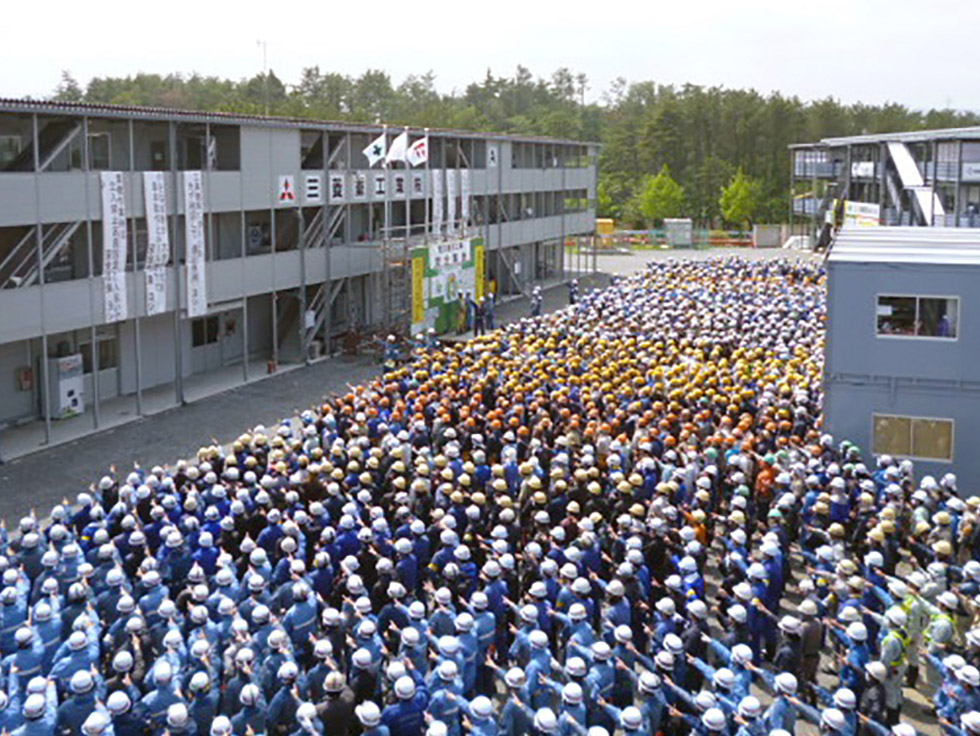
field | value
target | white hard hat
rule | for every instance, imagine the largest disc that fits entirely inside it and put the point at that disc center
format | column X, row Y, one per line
column 545, row 720
column 832, row 719
column 368, row 713
column 896, row 616
column 482, row 707
column 971, row 721
column 515, row 677
column 969, row 674
column 749, row 707
column 845, row 698
column 786, row 683
column 714, row 719
column 723, row 678
column 405, row 688
column 877, row 670
column 742, row 653
column 572, row 693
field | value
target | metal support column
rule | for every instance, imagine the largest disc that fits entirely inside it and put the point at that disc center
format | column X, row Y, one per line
column 136, row 289
column 957, row 209
column 275, row 293
column 561, row 249
column 881, row 183
column 93, row 336
column 243, row 255
column 814, row 228
column 301, row 326
column 792, row 188
column 175, row 229
column 39, row 253
column 349, row 316
column 325, row 215
column 500, row 219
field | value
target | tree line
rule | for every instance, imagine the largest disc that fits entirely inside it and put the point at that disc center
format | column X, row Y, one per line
column 667, row 150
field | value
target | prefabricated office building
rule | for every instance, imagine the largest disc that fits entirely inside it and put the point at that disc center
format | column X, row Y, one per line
column 902, row 373
column 297, row 247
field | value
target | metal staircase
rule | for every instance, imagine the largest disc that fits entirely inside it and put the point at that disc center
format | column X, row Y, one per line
column 337, row 217
column 313, row 233
column 318, row 305
column 20, row 266
column 52, row 140
column 397, row 287
column 926, row 203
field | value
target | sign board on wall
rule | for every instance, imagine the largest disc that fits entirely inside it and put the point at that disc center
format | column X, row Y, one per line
column 862, row 214
column 286, row 191
column 337, row 187
column 440, row 272
column 313, row 188
column 863, row 169
column 971, row 171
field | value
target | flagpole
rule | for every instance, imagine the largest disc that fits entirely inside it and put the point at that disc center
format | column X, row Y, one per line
column 408, row 193
column 385, row 238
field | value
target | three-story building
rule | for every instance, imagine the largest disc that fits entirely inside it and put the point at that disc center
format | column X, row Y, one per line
column 143, row 251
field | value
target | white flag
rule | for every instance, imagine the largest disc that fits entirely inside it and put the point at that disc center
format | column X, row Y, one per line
column 399, row 146
column 376, row 150
column 418, row 152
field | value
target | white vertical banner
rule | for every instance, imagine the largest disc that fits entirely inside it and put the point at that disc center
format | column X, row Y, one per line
column 157, row 241
column 451, row 194
column 437, row 202
column 464, row 187
column 197, row 297
column 114, row 245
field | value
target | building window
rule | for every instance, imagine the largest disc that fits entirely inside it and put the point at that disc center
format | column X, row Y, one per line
column 915, row 437
column 918, row 316
column 99, row 155
column 204, row 331
column 9, row 149
column 108, row 349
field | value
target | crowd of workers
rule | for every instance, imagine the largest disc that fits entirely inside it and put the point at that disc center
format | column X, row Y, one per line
column 621, row 517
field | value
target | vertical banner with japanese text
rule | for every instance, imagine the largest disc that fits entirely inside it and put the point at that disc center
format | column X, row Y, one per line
column 418, row 289
column 157, row 241
column 197, row 297
column 114, row 245
column 451, row 194
column 478, row 269
column 464, row 187
column 437, row 202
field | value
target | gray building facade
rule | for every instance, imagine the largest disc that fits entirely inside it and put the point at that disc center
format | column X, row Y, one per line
column 927, row 177
column 286, row 278
column 902, row 372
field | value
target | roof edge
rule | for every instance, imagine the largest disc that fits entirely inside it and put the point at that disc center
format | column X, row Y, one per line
column 15, row 105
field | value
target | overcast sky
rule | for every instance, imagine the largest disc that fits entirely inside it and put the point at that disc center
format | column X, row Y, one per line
column 918, row 52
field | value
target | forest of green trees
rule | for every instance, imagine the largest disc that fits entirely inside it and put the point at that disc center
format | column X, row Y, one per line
column 666, row 150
